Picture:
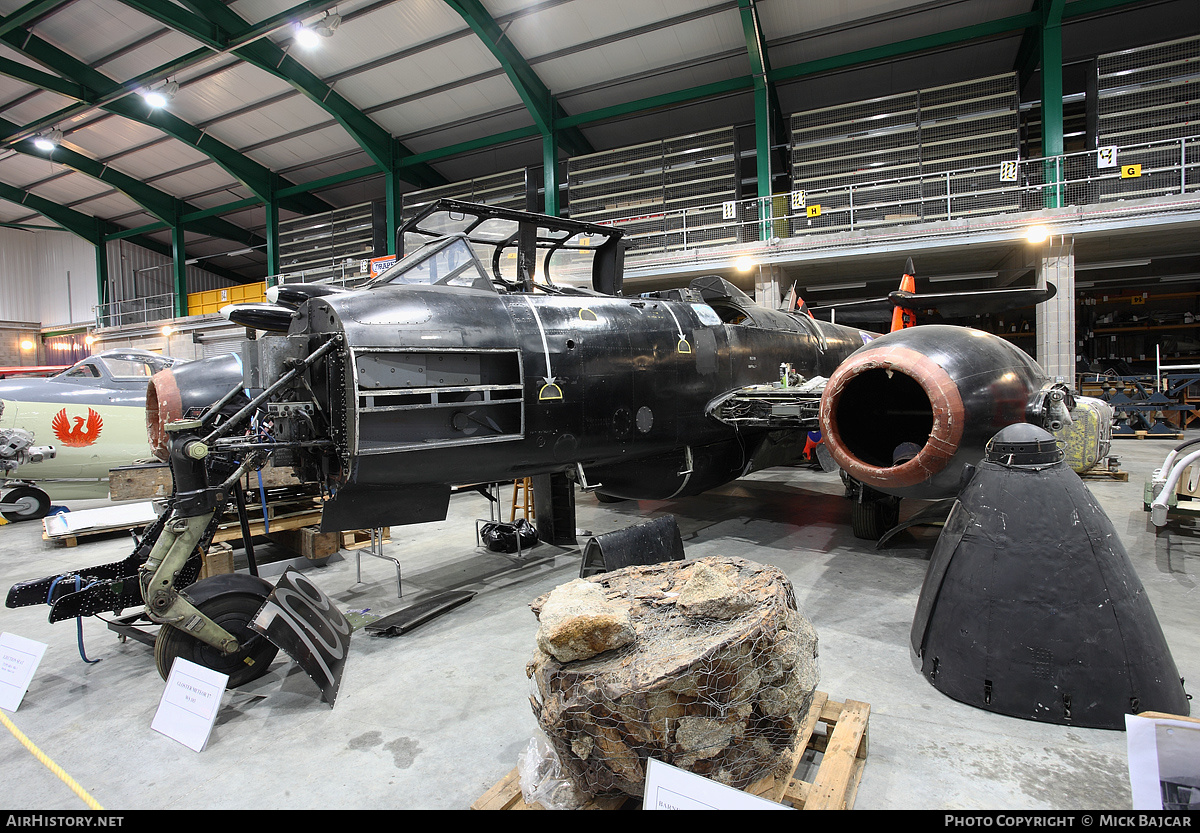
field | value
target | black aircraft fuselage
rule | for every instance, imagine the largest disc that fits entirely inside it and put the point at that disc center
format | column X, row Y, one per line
column 442, row 373
column 433, row 386
column 473, row 386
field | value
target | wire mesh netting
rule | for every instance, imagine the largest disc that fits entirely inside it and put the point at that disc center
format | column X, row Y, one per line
column 917, row 157
column 503, row 190
column 1149, row 94
column 664, row 195
column 717, row 680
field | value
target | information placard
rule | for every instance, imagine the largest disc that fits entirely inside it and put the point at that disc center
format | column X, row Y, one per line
column 672, row 788
column 1164, row 762
column 189, row 703
column 19, row 658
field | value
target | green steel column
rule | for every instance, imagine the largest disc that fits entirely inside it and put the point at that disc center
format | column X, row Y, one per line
column 1052, row 96
column 393, row 209
column 394, row 203
column 762, row 150
column 102, row 278
column 179, row 268
column 272, row 219
column 764, row 110
column 550, row 171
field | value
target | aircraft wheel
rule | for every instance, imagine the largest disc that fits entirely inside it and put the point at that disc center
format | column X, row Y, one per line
column 29, row 504
column 233, row 612
column 603, row 498
column 870, row 519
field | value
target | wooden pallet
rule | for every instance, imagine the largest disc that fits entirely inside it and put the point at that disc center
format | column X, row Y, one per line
column 1149, row 435
column 838, row 751
column 1106, row 474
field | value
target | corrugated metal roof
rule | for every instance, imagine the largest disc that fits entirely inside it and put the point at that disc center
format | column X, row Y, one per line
column 416, row 72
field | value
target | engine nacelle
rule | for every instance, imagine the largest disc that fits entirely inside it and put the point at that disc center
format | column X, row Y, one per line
column 187, row 389
column 908, row 411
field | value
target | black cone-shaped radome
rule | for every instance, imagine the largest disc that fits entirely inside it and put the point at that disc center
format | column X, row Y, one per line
column 1031, row 607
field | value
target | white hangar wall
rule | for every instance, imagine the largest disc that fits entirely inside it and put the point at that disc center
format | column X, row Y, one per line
column 46, row 277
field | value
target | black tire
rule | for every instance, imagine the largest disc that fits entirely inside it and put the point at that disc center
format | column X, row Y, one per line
column 32, row 503
column 233, row 612
column 871, row 519
column 603, row 498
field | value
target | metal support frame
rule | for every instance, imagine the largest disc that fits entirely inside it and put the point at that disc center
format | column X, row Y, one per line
column 766, row 110
column 272, row 220
column 179, row 269
column 1052, row 90
column 376, row 551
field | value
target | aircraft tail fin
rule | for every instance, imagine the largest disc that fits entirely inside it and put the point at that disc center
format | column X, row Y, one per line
column 794, row 303
column 903, row 317
column 901, row 306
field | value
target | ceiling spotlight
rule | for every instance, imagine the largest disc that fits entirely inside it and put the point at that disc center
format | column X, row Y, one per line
column 306, row 37
column 744, row 264
column 326, row 26
column 1037, row 234
column 48, row 141
column 159, row 97
column 309, row 36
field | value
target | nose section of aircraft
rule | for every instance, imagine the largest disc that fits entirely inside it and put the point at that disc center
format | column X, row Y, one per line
column 191, row 386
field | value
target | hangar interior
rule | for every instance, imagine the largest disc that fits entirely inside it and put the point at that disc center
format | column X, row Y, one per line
column 164, row 160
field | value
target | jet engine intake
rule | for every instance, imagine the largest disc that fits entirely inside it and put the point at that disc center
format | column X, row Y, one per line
column 908, row 411
column 188, row 389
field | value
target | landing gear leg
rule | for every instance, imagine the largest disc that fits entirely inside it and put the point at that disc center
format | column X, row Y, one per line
column 233, row 612
column 872, row 513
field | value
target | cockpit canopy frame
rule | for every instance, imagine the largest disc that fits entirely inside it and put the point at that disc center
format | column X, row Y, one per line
column 523, row 249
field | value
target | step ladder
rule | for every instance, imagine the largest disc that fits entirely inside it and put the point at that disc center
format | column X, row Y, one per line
column 522, row 495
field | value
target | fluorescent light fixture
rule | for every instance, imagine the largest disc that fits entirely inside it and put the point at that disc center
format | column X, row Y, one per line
column 1104, row 281
column 1112, row 264
column 966, row 276
column 832, row 286
column 1195, row 276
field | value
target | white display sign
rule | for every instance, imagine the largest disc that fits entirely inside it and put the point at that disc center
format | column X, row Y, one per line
column 797, row 200
column 672, row 788
column 189, row 703
column 1164, row 762
column 1008, row 171
column 19, row 658
column 1106, row 157
column 729, row 210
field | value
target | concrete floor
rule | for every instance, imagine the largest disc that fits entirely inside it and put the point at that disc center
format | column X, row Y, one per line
column 434, row 718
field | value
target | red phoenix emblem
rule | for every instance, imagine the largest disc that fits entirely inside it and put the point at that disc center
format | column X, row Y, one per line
column 83, row 432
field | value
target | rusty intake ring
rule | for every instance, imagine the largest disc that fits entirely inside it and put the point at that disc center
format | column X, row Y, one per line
column 186, row 388
column 163, row 404
column 871, row 406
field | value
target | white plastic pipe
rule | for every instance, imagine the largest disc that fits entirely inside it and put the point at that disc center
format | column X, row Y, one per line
column 1158, row 508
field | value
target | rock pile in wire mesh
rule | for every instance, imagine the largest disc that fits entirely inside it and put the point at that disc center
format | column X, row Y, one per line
column 706, row 665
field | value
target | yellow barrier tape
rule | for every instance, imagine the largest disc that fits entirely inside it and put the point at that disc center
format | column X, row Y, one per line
column 50, row 765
